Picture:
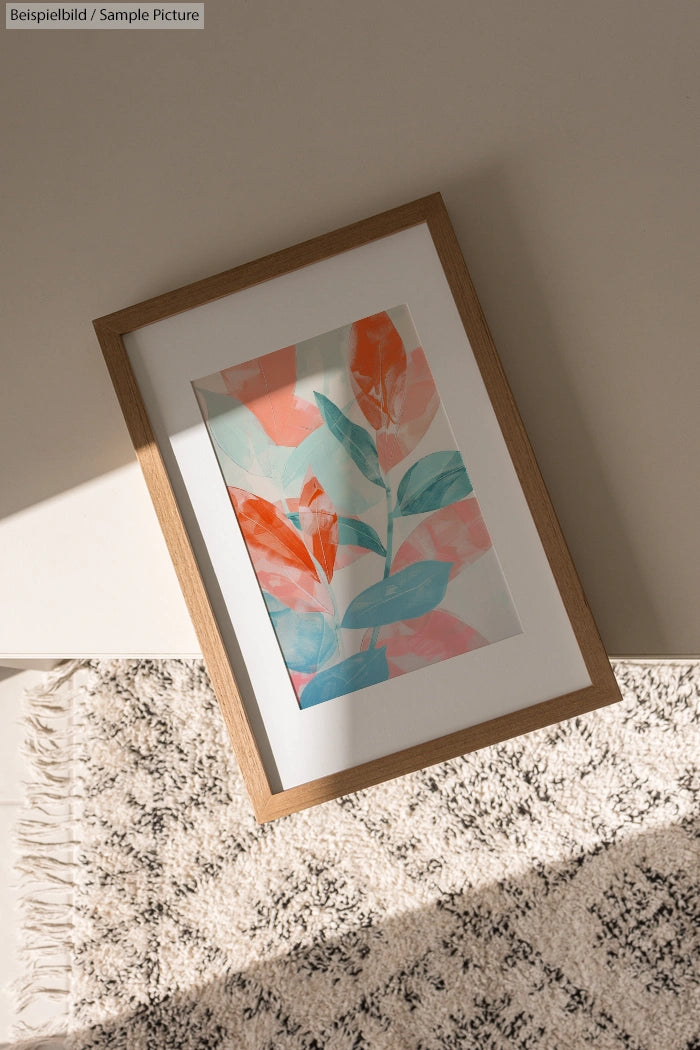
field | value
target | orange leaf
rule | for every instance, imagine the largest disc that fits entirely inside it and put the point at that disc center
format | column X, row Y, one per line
column 378, row 369
column 398, row 438
column 281, row 561
column 319, row 522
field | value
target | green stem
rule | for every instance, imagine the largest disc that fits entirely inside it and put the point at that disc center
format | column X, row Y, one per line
column 389, row 551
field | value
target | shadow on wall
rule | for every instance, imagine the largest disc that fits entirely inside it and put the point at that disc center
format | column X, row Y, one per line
column 598, row 950
column 498, row 254
column 487, row 219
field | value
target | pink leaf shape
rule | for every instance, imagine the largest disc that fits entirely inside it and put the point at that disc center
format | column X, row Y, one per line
column 347, row 555
column 319, row 523
column 456, row 533
column 266, row 387
column 428, row 639
column 417, row 411
column 299, row 680
column 378, row 369
column 281, row 561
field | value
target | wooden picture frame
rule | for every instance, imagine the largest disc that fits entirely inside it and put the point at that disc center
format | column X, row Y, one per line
column 554, row 669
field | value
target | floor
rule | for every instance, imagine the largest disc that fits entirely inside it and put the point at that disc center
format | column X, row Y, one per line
column 12, row 775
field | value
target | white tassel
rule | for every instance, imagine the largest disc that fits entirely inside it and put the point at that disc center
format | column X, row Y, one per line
column 44, row 838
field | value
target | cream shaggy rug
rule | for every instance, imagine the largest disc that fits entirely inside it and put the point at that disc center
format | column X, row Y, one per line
column 542, row 893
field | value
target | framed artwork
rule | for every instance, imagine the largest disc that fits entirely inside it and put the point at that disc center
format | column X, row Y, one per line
column 364, row 541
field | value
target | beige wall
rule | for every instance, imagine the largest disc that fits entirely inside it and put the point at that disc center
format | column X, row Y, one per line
column 564, row 138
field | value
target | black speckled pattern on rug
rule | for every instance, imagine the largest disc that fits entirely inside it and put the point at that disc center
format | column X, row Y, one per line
column 542, row 893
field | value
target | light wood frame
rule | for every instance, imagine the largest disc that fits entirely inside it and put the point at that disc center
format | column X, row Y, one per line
column 112, row 329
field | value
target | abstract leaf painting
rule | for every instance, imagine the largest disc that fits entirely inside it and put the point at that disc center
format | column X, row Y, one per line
column 356, row 507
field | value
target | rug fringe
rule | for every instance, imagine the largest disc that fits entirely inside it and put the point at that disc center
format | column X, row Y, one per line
column 46, row 864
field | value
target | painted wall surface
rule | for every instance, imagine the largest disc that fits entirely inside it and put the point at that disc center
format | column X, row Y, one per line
column 564, row 138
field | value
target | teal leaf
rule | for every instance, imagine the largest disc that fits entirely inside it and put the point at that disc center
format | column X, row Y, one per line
column 307, row 640
column 356, row 672
column 409, row 593
column 353, row 532
column 359, row 534
column 432, row 483
column 236, row 432
column 336, row 472
column 354, row 439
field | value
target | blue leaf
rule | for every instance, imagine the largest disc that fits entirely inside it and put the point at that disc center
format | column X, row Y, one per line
column 354, row 439
column 432, row 483
column 359, row 534
column 350, row 490
column 357, row 672
column 409, row 593
column 307, row 640
column 274, row 605
column 353, row 532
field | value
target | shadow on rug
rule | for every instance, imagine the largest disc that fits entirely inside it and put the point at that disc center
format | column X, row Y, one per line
column 539, row 893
